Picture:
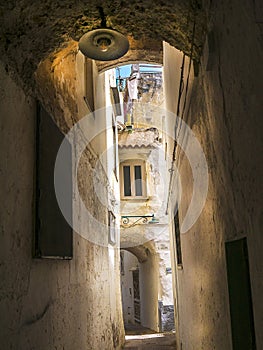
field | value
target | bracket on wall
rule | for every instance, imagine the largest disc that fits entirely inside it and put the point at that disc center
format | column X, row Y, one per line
column 132, row 220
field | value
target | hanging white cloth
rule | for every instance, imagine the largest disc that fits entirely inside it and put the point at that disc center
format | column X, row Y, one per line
column 133, row 82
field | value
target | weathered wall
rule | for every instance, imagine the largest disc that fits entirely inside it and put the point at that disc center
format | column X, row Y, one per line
column 37, row 29
column 156, row 285
column 154, row 201
column 149, row 281
column 48, row 304
column 130, row 262
column 225, row 115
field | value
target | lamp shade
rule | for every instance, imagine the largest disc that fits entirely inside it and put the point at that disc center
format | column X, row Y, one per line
column 103, row 44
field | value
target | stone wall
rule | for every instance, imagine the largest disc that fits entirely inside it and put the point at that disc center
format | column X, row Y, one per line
column 225, row 115
column 38, row 29
column 50, row 304
column 166, row 317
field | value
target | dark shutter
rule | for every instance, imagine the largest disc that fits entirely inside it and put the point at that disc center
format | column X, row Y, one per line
column 53, row 236
column 115, row 100
column 241, row 309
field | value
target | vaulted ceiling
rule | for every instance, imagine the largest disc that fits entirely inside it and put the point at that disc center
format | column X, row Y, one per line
column 32, row 30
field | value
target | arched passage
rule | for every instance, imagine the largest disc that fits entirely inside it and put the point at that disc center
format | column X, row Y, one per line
column 141, row 252
column 42, row 30
column 140, row 282
column 40, row 37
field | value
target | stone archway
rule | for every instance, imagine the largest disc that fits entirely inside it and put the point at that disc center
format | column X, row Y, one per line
column 141, row 252
column 42, row 37
column 139, row 280
column 35, row 31
column 40, row 42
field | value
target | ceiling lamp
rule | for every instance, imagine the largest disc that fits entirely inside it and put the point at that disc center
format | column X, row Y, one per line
column 103, row 44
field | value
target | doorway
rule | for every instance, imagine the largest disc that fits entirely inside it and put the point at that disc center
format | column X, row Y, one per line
column 136, row 295
column 241, row 306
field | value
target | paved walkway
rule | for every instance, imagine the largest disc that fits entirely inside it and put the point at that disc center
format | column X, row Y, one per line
column 139, row 338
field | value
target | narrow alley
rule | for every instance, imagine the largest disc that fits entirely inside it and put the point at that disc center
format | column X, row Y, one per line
column 131, row 174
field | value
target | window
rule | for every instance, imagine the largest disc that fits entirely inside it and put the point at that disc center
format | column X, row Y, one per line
column 115, row 100
column 177, row 239
column 133, row 179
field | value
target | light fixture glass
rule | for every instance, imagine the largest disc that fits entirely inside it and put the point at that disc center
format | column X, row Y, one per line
column 103, row 44
column 103, row 41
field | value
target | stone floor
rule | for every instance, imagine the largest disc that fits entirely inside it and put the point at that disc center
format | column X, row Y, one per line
column 140, row 338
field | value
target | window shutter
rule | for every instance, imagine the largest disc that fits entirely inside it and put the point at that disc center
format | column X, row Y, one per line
column 53, row 235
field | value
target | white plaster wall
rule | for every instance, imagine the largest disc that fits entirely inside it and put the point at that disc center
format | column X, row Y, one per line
column 149, row 281
column 97, row 120
column 165, row 290
column 130, row 263
column 48, row 304
column 155, row 285
column 224, row 113
column 112, row 148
